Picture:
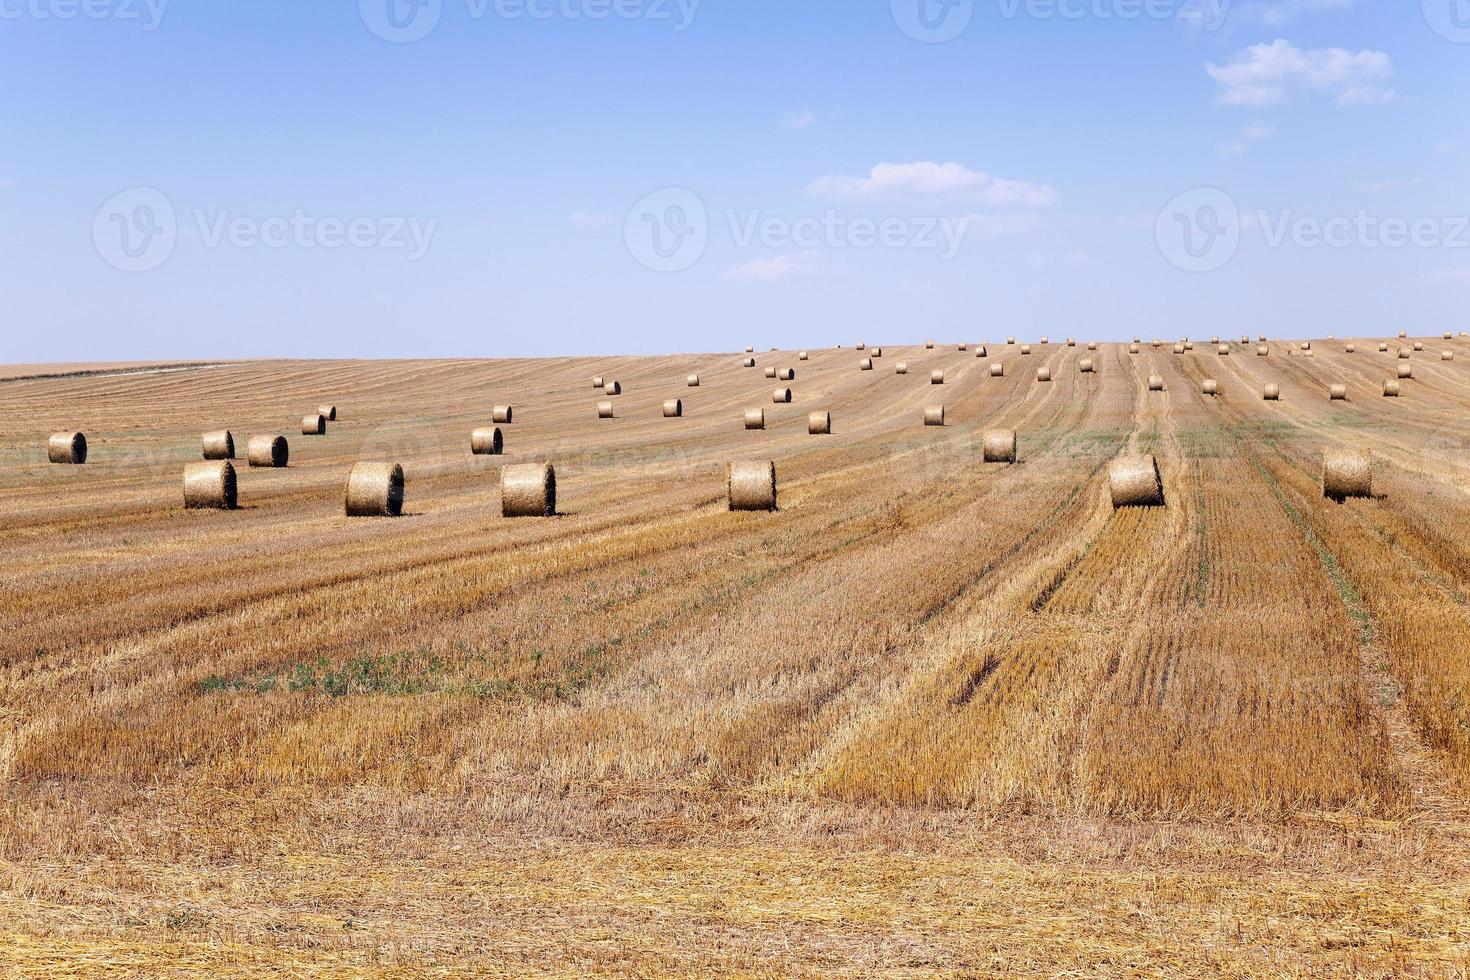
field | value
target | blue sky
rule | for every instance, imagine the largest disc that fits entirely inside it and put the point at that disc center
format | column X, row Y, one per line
column 181, row 178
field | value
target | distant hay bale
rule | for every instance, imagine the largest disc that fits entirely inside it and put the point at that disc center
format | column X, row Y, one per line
column 1337, row 393
column 1134, row 348
column 1135, row 482
column 861, row 345
column 1244, row 340
column 605, row 410
column 1351, row 348
column 781, row 396
column 748, row 362
column 928, row 345
column 1025, row 348
column 1261, row 338
column 1010, row 341
column 1403, row 334
column 599, row 381
column 210, row 486
column 503, row 415
column 1086, row 366
column 1155, row 383
column 1309, row 353
column 876, row 352
column 771, row 373
column 1306, row 345
column 786, row 374
column 1138, row 340
column 819, row 424
column 1092, row 345
column 1446, row 355
column 1404, row 354
column 528, row 490
column 1043, row 374
column 1272, row 393
column 963, row 347
column 999, row 445
column 375, row 490
column 314, row 425
column 749, row 349
column 673, row 409
column 692, row 381
column 1071, row 341
column 1418, row 346
column 1210, row 387
column 330, row 411
column 272, row 452
column 997, row 370
column 934, row 415
column 1179, row 348
column 803, row 356
column 1406, row 372
column 866, row 364
column 1263, row 351
column 1223, row 350
column 755, row 418
column 936, row 377
column 1383, row 348
column 1215, row 341
column 901, row 367
column 1448, row 335
column 751, row 485
column 487, row 441
column 1045, row 342
column 981, row 351
column 1346, row 473
column 219, row 445
column 612, row 388
column 1189, row 345
column 1390, row 389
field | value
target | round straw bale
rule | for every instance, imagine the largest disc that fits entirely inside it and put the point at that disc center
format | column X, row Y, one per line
column 981, row 352
column 965, row 347
column 1272, row 393
column 1092, row 345
column 819, row 424
column 861, row 345
column 219, row 445
column 1133, row 348
column 928, row 345
column 997, row 370
column 1446, row 355
column 528, row 490
column 1010, row 341
column 1383, row 348
column 1306, row 345
column 751, row 485
column 330, row 411
column 692, row 381
column 755, row 418
column 771, row 373
column 876, row 352
column 936, row 377
column 1244, row 340
column 999, row 445
column 1179, row 348
column 749, row 349
column 1418, row 345
column 1043, row 374
column 268, row 451
column 1337, row 393
column 1390, row 389
column 1138, row 340
column 781, row 396
column 1071, row 341
column 1351, row 348
column 1261, row 338
column 1263, row 351
column 599, row 381
column 1403, row 334
column 314, row 425
column 1215, row 341
column 1025, row 348
column 673, row 409
column 605, row 410
column 1210, row 387
column 748, row 362
column 210, row 486
column 1448, row 335
column 786, row 374
column 934, row 415
column 1086, row 366
column 803, row 356
column 1189, row 345
column 487, row 441
column 1406, row 372
column 1404, row 354
column 1223, row 350
column 503, row 415
column 1346, row 473
column 375, row 490
column 612, row 388
column 866, row 364
column 1045, row 342
column 1135, row 482
column 1155, row 383
column 901, row 368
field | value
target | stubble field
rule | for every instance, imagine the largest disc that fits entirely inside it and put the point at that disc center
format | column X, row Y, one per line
column 931, row 716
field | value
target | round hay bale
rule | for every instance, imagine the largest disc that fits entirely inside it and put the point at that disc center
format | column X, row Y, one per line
column 528, row 490
column 866, row 364
column 981, row 352
column 1404, row 354
column 1223, row 350
column 1025, row 349
column 1134, row 348
column 375, row 490
column 1045, row 342
column 1346, row 473
column 219, row 445
column 876, row 352
column 673, row 409
column 751, row 485
column 1406, row 372
column 749, row 349
column 1010, row 341
column 1351, row 348
column 1189, row 345
column 934, row 415
column 1306, row 345
column 1086, row 366
column 314, row 425
column 755, row 418
column 272, row 452
column 748, row 362
column 1210, row 387
column 1309, row 353
column 1155, row 383
column 771, row 373
column 1215, row 341
column 1272, row 393
column 1135, row 482
column 803, row 356
column 928, row 345
column 599, row 381
column 330, row 411
column 1092, row 345
column 936, row 377
column 1043, row 374
column 1403, row 334
column 1244, row 340
column 997, row 370
column 1179, row 348
column 692, row 381
column 1337, row 393
column 999, row 445
column 1138, row 340
column 1446, row 355
column 962, row 348
column 1263, row 351
column 487, row 442
column 210, row 486
column 1383, row 348
column 605, row 410
column 781, row 396
column 1418, row 346
column 861, row 345
column 819, row 424
column 901, row 368
column 612, row 388
column 1071, row 341
column 1390, row 389
column 786, row 374
column 1448, row 335
column 503, row 414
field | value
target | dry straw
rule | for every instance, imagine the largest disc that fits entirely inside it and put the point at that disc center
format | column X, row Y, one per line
column 786, row 374
column 1383, row 348
column 692, row 381
column 755, row 418
column 503, row 415
column 673, row 409
column 1092, row 345
column 748, row 362
column 1010, row 341
column 749, row 349
column 1210, row 387
column 487, row 442
column 272, row 452
column 1337, row 393
column 999, row 445
column 1155, row 383
column 1306, row 345
column 1189, row 345
column 1346, row 473
column 1406, row 372
column 210, row 486
column 1179, row 348
column 1045, row 341
column 612, row 388
column 1043, row 374
column 1351, row 348
column 1223, row 350
column 375, row 490
column 1446, row 355
column 1263, row 351
column 528, row 490
column 866, row 364
column 605, row 410
column 1403, row 334
column 1448, row 335
column 965, row 347
column 1025, row 348
column 1086, row 366
column 1071, row 341
column 1418, row 345
column 1135, row 482
column 771, row 373
column 1272, row 393
column 314, row 425
column 1404, row 353
column 934, row 415
column 861, row 345
column 928, row 345
column 876, row 352
column 997, row 370
column 936, row 377
column 219, row 445
column 781, row 396
column 1215, row 341
column 981, row 351
column 599, row 381
column 819, row 424
column 901, row 368
column 751, row 485
column 803, row 356
column 1390, row 389
column 1133, row 348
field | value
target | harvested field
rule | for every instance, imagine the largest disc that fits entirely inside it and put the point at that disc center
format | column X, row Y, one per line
column 928, row 717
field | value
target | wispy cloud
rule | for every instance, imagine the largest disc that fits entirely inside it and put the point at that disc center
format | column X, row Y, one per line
column 799, row 120
column 935, row 181
column 1249, row 134
column 1275, row 13
column 1269, row 74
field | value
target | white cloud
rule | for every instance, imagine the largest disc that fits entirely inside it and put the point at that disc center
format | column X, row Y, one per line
column 1267, row 74
column 948, row 181
column 772, row 269
column 800, row 120
column 592, row 219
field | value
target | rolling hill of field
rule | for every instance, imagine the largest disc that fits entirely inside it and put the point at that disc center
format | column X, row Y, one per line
column 930, row 716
